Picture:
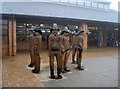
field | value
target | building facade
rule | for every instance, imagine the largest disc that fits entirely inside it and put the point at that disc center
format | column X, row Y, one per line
column 99, row 22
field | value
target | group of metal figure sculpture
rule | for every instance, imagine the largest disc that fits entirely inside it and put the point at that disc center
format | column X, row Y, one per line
column 59, row 46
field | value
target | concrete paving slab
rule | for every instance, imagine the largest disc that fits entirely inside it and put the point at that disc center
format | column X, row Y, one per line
column 99, row 72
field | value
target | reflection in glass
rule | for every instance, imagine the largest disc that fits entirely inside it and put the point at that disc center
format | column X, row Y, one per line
column 81, row 3
column 88, row 4
column 100, row 6
column 106, row 7
column 94, row 4
column 66, row 1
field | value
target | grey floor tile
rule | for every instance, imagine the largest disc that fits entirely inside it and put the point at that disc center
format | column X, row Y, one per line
column 99, row 72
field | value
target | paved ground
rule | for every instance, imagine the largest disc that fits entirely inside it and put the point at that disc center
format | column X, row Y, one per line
column 101, row 70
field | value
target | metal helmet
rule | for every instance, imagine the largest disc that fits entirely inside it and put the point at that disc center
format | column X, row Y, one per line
column 79, row 31
column 65, row 30
column 55, row 26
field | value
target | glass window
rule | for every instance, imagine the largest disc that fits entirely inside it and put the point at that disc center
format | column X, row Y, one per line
column 100, row 6
column 66, row 1
column 22, row 34
column 4, row 33
column 72, row 1
column 4, row 26
column 0, row 28
column 4, row 29
column 94, row 4
column 52, row 0
column 81, row 3
column 0, row 22
column 106, row 6
column 49, row 0
column 88, row 4
column 4, row 22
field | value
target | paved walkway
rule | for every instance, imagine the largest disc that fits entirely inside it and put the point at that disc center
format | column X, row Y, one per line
column 100, row 71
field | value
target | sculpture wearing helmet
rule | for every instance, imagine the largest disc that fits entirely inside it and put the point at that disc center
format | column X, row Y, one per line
column 34, row 47
column 77, row 42
column 55, row 47
column 66, row 43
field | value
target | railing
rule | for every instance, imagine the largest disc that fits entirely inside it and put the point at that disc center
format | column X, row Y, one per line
column 100, row 5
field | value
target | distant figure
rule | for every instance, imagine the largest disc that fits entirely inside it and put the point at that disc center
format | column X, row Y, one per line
column 100, row 39
column 74, row 49
column 78, row 45
column 35, row 45
column 30, row 49
column 66, row 43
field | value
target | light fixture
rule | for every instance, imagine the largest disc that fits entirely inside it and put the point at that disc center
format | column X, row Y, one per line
column 43, row 31
column 48, row 31
column 20, row 26
column 27, row 24
column 41, row 25
column 76, row 27
column 24, row 24
column 116, row 29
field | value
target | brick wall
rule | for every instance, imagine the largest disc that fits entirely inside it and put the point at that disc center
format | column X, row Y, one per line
column 85, row 39
column 14, row 36
column 11, row 37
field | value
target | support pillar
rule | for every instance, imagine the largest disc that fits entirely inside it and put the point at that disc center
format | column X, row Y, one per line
column 12, row 37
column 85, row 38
column 9, row 37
